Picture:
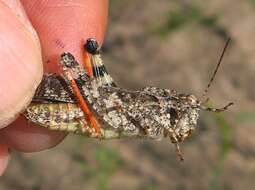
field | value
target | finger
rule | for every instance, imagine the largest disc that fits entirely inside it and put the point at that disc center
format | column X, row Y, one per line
column 59, row 31
column 65, row 25
column 20, row 65
column 20, row 73
column 4, row 158
column 29, row 138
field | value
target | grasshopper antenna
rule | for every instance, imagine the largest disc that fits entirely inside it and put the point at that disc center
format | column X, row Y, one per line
column 215, row 71
column 210, row 83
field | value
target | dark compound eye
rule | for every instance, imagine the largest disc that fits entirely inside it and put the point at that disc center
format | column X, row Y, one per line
column 173, row 115
column 172, row 112
column 92, row 46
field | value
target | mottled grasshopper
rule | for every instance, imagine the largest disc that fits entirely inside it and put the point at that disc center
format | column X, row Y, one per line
column 90, row 103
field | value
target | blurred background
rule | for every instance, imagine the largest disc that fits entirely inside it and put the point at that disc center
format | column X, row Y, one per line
column 171, row 44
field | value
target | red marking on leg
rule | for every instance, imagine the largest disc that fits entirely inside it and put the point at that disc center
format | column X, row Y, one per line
column 90, row 118
column 87, row 64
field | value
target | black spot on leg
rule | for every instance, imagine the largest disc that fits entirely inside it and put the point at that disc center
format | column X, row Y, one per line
column 92, row 46
column 100, row 71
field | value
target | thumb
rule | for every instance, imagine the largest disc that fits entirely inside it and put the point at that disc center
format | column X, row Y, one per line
column 20, row 65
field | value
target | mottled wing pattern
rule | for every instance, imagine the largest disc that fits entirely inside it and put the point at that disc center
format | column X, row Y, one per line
column 54, row 88
column 116, row 108
column 135, row 112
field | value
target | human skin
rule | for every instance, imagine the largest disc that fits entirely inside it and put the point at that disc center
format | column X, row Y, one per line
column 33, row 34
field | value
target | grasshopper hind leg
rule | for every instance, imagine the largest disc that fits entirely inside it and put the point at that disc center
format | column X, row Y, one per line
column 74, row 73
column 100, row 74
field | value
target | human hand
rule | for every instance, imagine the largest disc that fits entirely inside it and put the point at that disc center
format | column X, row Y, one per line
column 60, row 26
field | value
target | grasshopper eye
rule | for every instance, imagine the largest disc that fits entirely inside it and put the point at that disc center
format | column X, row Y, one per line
column 92, row 46
column 173, row 115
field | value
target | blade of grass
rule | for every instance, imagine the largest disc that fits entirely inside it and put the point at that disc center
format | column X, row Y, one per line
column 226, row 135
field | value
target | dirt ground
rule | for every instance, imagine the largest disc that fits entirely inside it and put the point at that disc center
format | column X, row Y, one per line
column 175, row 45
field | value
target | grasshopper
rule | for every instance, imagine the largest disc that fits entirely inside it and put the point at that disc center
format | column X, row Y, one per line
column 87, row 101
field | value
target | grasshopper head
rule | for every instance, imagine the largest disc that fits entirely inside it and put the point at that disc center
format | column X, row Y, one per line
column 183, row 112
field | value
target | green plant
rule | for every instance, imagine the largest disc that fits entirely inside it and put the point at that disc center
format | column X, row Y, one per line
column 108, row 161
column 226, row 135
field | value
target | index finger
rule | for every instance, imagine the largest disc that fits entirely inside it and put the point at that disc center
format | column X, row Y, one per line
column 65, row 25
